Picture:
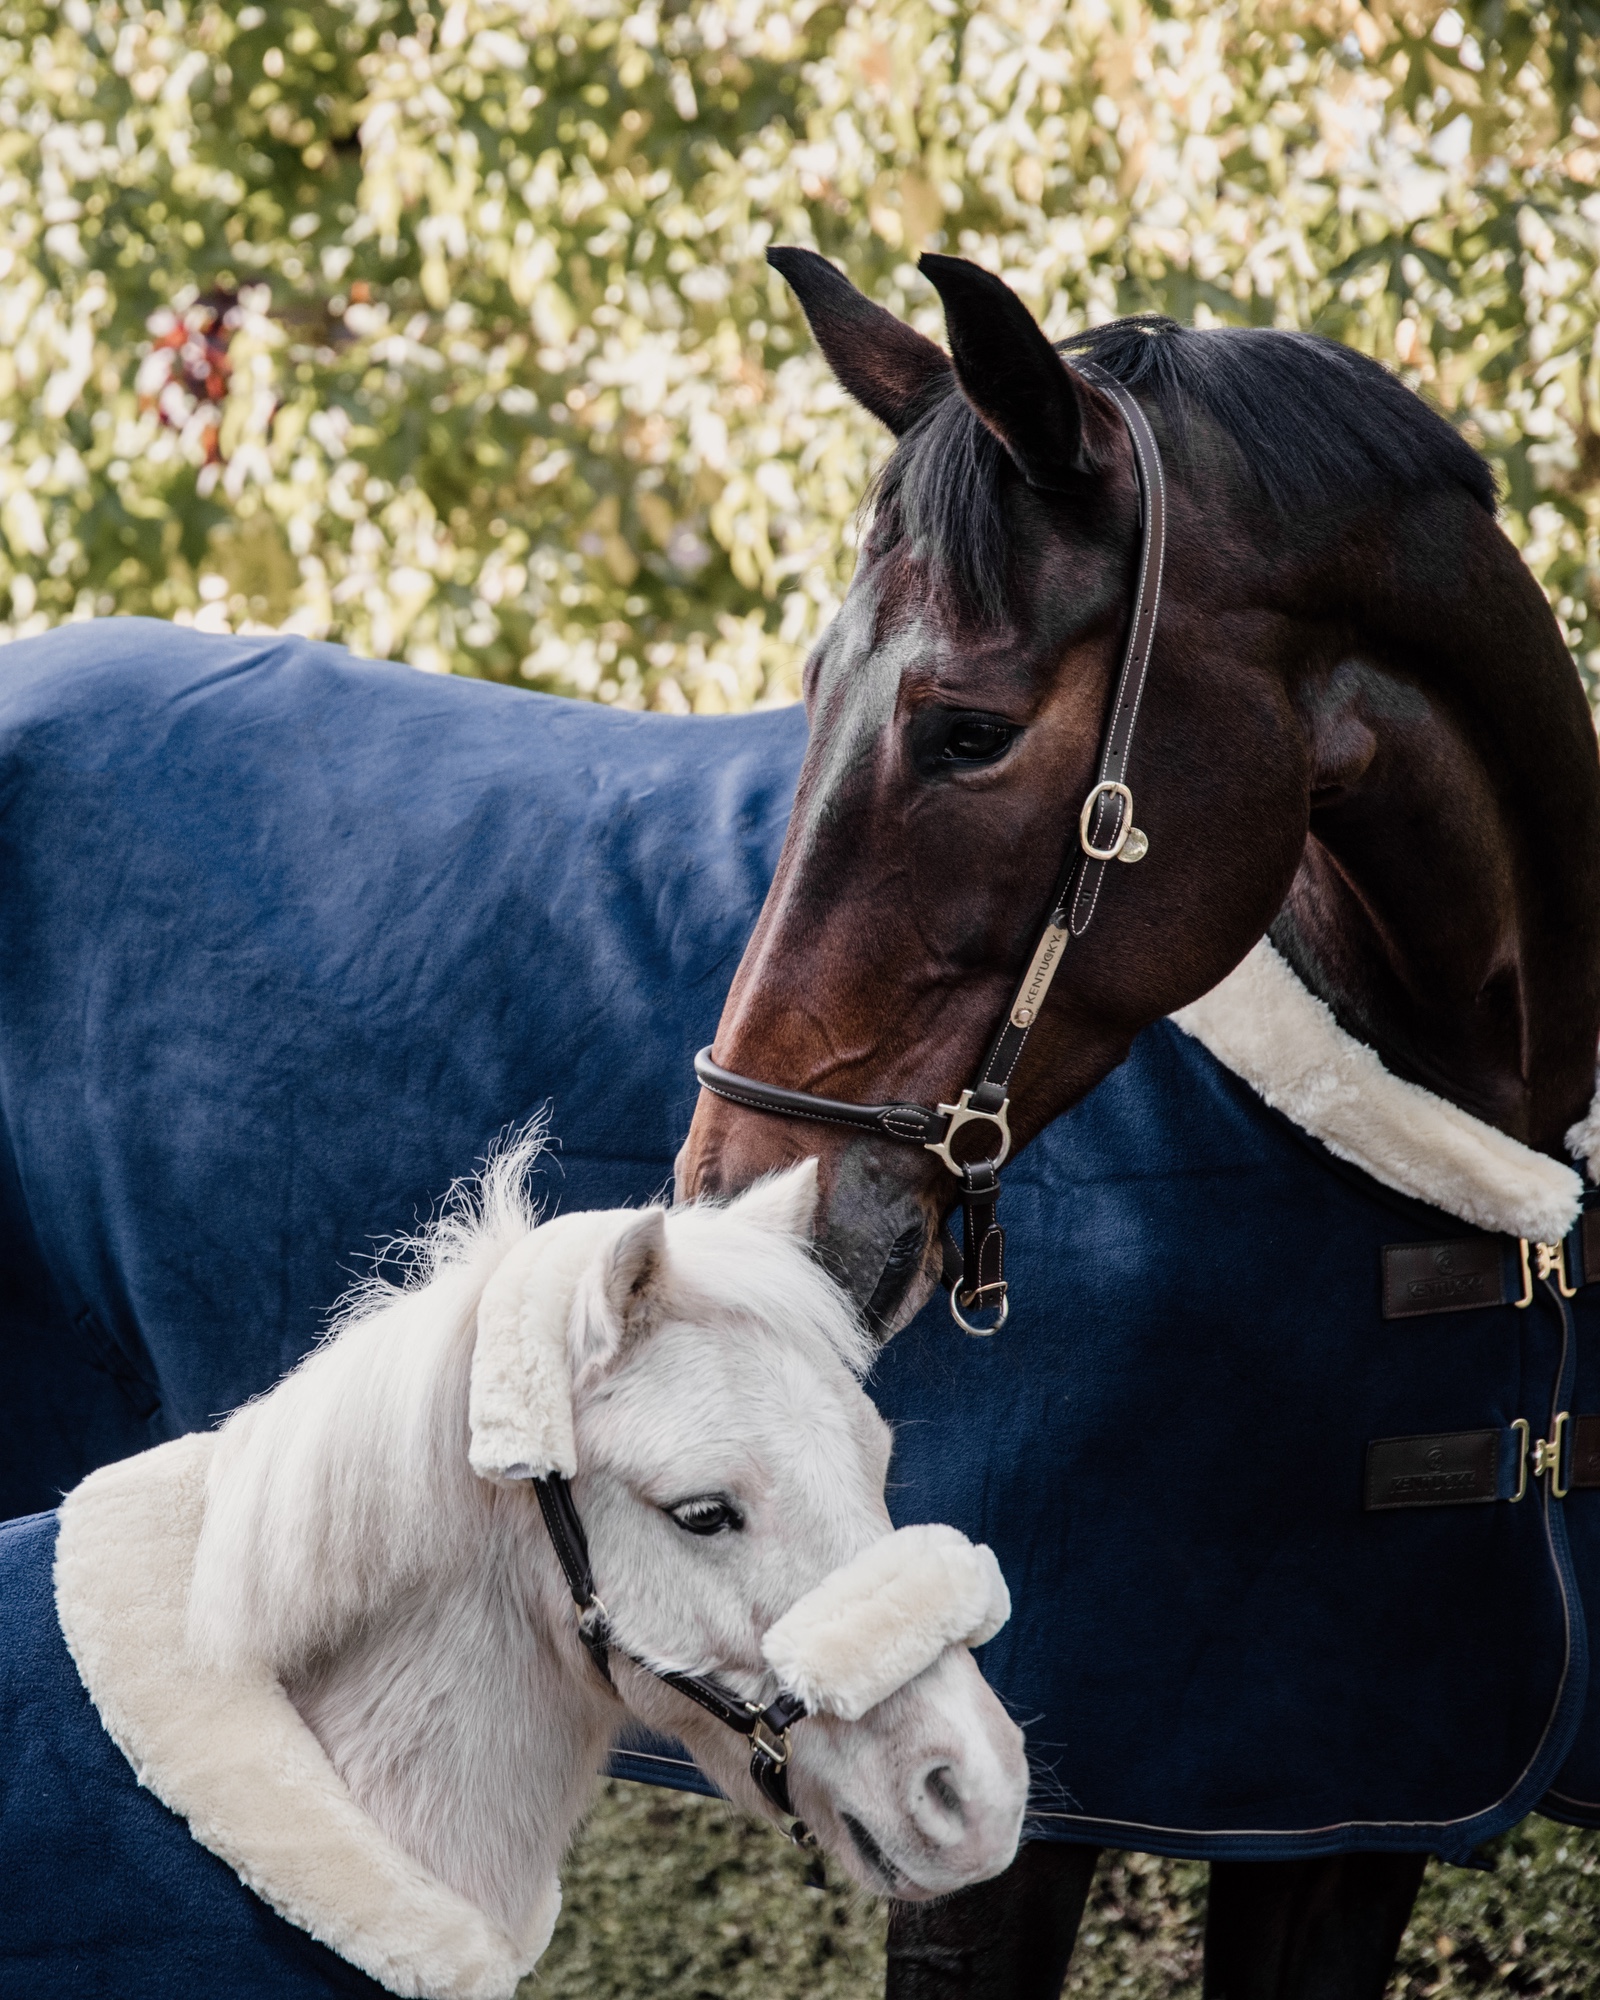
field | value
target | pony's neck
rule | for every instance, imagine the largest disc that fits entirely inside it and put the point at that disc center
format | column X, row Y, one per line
column 414, row 1613
column 1447, row 905
column 460, row 1724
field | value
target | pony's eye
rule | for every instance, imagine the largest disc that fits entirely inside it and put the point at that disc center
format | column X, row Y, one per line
column 707, row 1514
column 947, row 739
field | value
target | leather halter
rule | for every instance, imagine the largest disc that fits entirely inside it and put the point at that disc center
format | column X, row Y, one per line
column 1106, row 833
column 767, row 1729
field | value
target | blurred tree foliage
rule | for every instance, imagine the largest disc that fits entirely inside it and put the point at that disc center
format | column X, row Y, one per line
column 447, row 333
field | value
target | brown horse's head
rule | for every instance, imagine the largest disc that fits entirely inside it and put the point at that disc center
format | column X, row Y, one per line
column 958, row 701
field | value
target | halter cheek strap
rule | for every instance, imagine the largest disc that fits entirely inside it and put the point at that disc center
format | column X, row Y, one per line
column 767, row 1729
column 1106, row 833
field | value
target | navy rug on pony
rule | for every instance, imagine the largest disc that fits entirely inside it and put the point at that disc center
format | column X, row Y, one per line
column 104, row 1894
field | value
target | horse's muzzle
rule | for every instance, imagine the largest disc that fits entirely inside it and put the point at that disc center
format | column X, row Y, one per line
column 876, row 1231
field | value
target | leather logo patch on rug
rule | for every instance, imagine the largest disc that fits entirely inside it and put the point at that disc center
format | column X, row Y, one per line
column 1450, row 1469
column 1442, row 1277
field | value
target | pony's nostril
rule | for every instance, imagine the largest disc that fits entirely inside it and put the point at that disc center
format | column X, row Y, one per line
column 940, row 1783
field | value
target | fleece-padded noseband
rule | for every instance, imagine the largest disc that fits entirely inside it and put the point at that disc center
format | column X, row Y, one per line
column 877, row 1622
column 867, row 1629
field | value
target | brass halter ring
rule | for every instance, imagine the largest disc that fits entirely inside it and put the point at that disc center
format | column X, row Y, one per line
column 966, row 1326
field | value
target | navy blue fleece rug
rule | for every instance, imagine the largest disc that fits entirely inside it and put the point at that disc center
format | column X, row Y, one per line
column 287, row 939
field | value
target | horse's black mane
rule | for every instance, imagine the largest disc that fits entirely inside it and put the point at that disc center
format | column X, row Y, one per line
column 1318, row 425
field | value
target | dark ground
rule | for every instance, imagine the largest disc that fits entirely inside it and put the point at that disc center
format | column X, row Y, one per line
column 675, row 1898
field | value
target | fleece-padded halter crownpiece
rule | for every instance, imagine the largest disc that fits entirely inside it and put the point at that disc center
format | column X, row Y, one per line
column 519, row 1407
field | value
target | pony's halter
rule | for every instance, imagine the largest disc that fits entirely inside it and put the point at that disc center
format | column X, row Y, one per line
column 1106, row 833
column 831, row 1650
column 766, row 1728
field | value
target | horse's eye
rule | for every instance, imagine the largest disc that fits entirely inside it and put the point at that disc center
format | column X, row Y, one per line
column 946, row 739
column 707, row 1514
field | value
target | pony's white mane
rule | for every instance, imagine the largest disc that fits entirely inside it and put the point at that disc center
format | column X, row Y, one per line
column 349, row 1481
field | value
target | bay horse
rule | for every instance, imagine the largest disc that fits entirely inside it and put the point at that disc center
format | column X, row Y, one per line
column 335, row 1639
column 1361, row 734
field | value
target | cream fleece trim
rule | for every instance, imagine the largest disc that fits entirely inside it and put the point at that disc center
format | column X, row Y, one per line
column 520, row 1402
column 1262, row 1024
column 881, row 1619
column 229, row 1754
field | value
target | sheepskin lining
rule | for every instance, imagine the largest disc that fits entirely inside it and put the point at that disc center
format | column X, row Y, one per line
column 228, row 1753
column 1266, row 1027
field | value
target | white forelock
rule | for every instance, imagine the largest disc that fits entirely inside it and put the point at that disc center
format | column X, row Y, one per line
column 1266, row 1027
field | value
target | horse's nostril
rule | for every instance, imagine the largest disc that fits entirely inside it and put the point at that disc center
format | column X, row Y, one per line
column 899, row 1268
column 939, row 1782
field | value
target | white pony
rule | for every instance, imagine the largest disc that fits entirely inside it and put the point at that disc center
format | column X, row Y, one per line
column 336, row 1638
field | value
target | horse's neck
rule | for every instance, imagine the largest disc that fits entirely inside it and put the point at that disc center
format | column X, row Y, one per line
column 1448, row 902
column 464, row 1727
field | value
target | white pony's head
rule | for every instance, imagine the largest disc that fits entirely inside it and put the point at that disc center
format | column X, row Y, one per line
column 373, row 1532
column 729, row 1470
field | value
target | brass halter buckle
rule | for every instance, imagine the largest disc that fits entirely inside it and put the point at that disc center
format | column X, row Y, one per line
column 963, row 1114
column 775, row 1749
column 958, row 1298
column 1126, row 831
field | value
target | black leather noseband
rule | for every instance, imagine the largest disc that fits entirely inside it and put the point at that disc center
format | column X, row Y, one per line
column 766, row 1729
column 1106, row 833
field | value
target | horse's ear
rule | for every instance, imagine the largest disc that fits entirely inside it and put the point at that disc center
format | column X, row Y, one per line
column 1013, row 378
column 886, row 365
column 619, row 1296
column 786, row 1202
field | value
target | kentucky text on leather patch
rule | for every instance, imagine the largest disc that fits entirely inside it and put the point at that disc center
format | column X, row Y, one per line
column 1585, row 1469
column 1442, row 1277
column 1449, row 1469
